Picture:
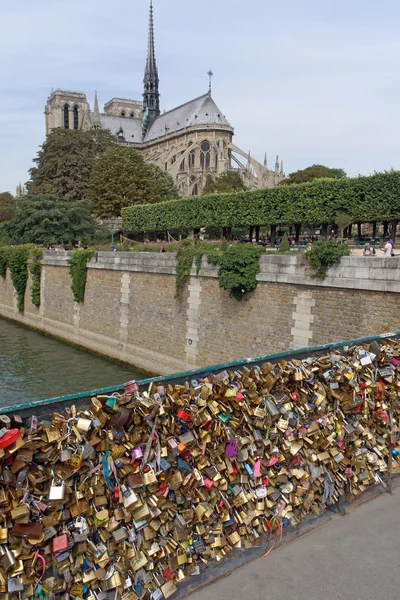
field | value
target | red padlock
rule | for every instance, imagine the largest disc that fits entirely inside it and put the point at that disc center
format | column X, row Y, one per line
column 183, row 414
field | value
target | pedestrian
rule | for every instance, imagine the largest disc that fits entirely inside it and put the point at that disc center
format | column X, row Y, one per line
column 387, row 249
column 369, row 250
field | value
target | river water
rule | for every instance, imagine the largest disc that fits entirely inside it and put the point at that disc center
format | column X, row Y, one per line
column 35, row 367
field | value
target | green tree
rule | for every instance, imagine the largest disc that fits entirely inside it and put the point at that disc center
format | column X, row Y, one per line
column 121, row 178
column 49, row 220
column 165, row 186
column 7, row 204
column 65, row 162
column 228, row 182
column 313, row 172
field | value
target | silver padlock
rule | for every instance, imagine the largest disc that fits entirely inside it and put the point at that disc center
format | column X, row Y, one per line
column 15, row 584
column 65, row 454
column 120, row 535
column 57, row 492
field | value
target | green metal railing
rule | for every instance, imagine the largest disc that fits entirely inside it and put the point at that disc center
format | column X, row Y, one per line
column 40, row 406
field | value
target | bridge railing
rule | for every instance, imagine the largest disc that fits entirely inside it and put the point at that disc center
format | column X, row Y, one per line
column 44, row 408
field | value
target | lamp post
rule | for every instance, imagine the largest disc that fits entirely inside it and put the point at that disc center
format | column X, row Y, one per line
column 112, row 234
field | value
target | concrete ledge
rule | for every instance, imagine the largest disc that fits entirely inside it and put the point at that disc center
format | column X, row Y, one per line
column 354, row 272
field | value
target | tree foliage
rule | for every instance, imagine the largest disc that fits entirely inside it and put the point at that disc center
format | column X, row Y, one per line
column 164, row 184
column 312, row 173
column 122, row 178
column 364, row 199
column 47, row 220
column 65, row 162
column 231, row 181
column 7, row 204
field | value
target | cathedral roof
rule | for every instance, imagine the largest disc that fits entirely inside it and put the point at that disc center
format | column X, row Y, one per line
column 132, row 128
column 201, row 111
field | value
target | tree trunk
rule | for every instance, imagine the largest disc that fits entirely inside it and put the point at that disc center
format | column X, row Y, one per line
column 290, row 230
column 324, row 230
column 359, row 234
column 298, row 232
column 374, row 230
column 350, row 229
column 257, row 233
column 345, row 232
column 223, row 233
column 394, row 229
column 251, row 234
column 196, row 235
column 385, row 228
column 273, row 235
column 228, row 234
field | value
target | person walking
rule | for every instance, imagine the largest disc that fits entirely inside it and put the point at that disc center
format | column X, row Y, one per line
column 387, row 249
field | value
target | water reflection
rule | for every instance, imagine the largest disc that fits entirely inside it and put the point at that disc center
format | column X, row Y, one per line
column 34, row 367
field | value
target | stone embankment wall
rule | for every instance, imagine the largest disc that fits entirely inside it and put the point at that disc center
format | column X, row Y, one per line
column 130, row 312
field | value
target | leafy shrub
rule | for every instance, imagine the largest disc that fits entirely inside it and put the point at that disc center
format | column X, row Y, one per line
column 364, row 199
column 238, row 268
column 323, row 255
column 285, row 246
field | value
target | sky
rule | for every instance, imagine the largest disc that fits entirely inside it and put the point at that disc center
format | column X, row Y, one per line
column 313, row 81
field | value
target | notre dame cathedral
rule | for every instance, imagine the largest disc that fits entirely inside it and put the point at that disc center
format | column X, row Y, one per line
column 189, row 142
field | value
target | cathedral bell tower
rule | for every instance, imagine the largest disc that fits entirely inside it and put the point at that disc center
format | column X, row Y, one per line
column 151, row 96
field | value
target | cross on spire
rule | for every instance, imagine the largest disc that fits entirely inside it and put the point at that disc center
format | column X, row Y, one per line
column 210, row 76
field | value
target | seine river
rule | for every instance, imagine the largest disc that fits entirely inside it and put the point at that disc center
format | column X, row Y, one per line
column 35, row 367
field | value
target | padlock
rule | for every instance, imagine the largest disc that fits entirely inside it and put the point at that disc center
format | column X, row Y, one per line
column 76, row 459
column 137, row 453
column 149, row 476
column 60, row 543
column 101, row 518
column 57, row 492
column 65, row 454
column 129, row 498
column 199, row 545
column 15, row 584
column 120, row 535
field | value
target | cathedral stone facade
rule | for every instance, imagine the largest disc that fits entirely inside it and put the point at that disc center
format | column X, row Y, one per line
column 190, row 142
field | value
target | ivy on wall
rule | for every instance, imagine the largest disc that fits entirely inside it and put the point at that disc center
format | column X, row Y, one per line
column 17, row 263
column 361, row 199
column 35, row 269
column 238, row 269
column 238, row 266
column 78, row 266
column 323, row 255
column 3, row 261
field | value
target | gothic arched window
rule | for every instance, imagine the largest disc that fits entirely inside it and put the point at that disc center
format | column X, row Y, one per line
column 205, row 155
column 76, row 118
column 123, row 114
column 66, row 116
column 132, row 115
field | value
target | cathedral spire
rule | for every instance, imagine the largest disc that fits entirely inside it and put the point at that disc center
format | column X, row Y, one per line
column 96, row 122
column 151, row 96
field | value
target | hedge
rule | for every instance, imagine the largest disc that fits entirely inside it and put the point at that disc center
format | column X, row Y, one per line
column 364, row 199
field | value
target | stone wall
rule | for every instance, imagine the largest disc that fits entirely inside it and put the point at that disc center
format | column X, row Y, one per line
column 130, row 312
